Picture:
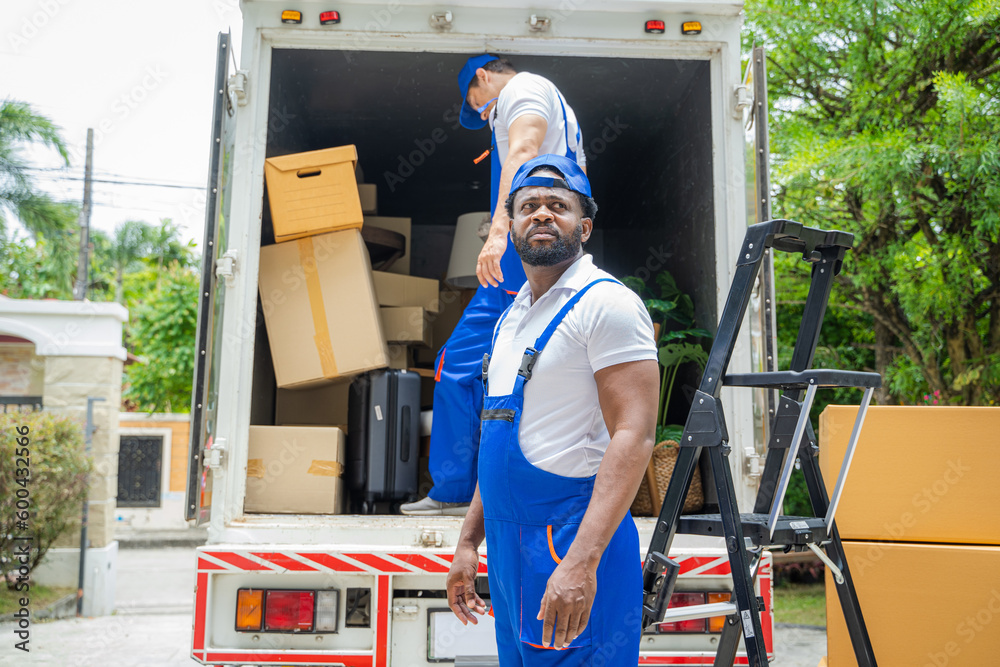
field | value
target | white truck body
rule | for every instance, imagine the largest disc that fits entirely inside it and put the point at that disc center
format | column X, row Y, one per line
column 696, row 171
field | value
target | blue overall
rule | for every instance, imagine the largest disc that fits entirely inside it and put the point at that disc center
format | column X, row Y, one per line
column 531, row 520
column 458, row 392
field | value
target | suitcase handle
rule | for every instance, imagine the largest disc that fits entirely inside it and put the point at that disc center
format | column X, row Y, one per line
column 404, row 441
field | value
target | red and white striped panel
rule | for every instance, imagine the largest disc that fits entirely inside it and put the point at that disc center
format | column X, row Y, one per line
column 252, row 560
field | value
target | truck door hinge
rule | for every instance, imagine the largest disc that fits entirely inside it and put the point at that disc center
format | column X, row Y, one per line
column 405, row 611
column 538, row 23
column 441, row 20
column 431, row 538
column 216, row 454
column 742, row 100
column 226, row 266
column 237, row 87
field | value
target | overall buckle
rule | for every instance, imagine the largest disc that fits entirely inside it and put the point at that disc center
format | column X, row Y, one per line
column 527, row 363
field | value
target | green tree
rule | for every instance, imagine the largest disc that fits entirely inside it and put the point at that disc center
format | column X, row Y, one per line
column 20, row 126
column 162, row 334
column 885, row 122
column 43, row 267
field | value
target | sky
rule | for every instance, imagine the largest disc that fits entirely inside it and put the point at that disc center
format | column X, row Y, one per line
column 140, row 73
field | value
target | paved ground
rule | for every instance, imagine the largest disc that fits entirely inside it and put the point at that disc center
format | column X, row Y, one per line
column 152, row 624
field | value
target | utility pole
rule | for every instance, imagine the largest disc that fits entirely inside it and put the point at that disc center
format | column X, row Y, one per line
column 80, row 288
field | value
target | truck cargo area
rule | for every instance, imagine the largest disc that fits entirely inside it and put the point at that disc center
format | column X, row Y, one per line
column 647, row 132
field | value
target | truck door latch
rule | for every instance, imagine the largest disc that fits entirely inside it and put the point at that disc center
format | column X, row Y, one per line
column 216, row 453
column 539, row 23
column 237, row 87
column 404, row 611
column 431, row 538
column 743, row 100
column 440, row 20
column 225, row 267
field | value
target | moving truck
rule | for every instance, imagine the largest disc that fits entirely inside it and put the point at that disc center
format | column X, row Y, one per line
column 657, row 87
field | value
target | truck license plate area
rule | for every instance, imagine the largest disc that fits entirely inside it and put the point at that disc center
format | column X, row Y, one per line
column 448, row 639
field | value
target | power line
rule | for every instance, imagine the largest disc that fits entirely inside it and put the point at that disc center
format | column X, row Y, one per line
column 120, row 182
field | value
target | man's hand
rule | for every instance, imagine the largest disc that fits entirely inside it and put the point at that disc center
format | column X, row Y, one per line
column 461, row 586
column 565, row 608
column 488, row 266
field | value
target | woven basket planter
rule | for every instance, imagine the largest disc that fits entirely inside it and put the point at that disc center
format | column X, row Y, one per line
column 661, row 467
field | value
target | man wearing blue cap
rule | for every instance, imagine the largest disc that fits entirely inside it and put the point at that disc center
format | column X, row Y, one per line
column 568, row 427
column 529, row 117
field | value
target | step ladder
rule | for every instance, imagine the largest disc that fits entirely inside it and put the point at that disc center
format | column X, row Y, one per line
column 791, row 437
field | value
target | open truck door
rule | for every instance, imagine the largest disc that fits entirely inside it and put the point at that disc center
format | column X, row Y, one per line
column 216, row 265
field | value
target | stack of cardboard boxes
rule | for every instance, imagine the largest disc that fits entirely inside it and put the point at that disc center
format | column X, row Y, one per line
column 329, row 317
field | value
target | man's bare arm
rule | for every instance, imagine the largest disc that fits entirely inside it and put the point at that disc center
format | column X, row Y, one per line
column 461, row 583
column 525, row 138
column 627, row 393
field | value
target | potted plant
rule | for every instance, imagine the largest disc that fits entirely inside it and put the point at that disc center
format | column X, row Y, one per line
column 678, row 344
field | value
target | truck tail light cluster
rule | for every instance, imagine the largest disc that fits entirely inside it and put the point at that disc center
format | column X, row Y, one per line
column 295, row 16
column 694, row 625
column 286, row 610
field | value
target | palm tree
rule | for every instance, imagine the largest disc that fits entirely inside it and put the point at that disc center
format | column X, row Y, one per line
column 132, row 243
column 20, row 126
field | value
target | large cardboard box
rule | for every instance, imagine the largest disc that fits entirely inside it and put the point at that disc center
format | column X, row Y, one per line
column 369, row 202
column 320, row 309
column 319, row 406
column 313, row 192
column 393, row 289
column 407, row 325
column 400, row 226
column 919, row 474
column 925, row 605
column 295, row 470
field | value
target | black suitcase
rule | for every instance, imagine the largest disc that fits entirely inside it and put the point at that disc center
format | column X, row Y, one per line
column 382, row 438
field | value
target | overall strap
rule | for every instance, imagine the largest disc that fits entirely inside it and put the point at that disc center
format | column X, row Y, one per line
column 570, row 153
column 486, row 357
column 531, row 353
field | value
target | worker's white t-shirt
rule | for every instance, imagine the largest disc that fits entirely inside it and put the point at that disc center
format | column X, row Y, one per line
column 528, row 93
column 562, row 427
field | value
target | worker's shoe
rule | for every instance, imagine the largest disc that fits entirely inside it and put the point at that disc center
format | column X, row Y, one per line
column 430, row 507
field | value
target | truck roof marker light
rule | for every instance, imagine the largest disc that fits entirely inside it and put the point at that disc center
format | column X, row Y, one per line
column 691, row 28
column 289, row 611
column 291, row 16
column 249, row 609
column 327, row 609
column 656, row 27
column 329, row 18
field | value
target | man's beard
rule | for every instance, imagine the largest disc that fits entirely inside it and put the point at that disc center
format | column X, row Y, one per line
column 560, row 249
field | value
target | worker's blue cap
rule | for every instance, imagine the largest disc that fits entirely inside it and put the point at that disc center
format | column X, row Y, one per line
column 468, row 116
column 573, row 177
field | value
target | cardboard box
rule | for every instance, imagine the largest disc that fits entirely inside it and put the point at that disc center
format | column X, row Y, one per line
column 406, row 325
column 320, row 309
column 400, row 226
column 393, row 289
column 369, row 202
column 295, row 470
column 919, row 474
column 400, row 356
column 924, row 605
column 318, row 406
column 314, row 192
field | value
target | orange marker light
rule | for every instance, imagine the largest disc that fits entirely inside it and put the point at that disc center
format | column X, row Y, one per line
column 716, row 623
column 691, row 28
column 249, row 609
column 291, row 16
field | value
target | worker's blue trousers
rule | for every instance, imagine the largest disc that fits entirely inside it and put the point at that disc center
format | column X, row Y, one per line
column 532, row 517
column 458, row 390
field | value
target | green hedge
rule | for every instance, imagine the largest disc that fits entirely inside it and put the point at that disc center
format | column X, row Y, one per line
column 56, row 485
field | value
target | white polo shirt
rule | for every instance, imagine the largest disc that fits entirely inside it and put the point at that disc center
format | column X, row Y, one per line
column 528, row 93
column 562, row 427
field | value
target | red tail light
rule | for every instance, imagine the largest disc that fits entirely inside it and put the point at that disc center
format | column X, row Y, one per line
column 289, row 611
column 656, row 27
column 329, row 18
column 685, row 600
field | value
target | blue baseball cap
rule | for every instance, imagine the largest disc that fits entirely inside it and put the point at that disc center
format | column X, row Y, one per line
column 468, row 117
column 573, row 177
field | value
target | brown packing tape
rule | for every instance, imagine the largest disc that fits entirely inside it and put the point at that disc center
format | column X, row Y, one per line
column 255, row 468
column 315, row 290
column 325, row 468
